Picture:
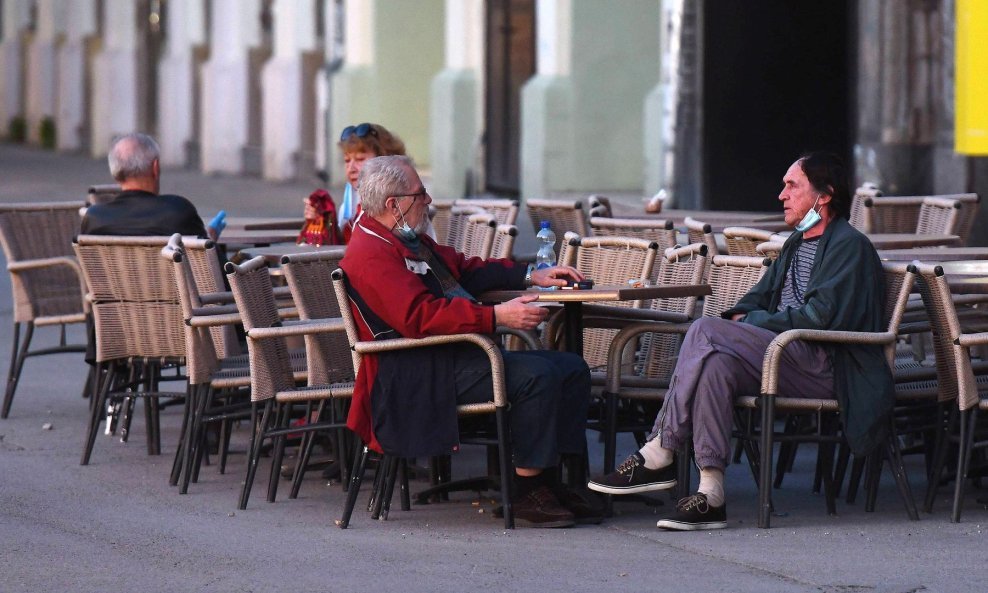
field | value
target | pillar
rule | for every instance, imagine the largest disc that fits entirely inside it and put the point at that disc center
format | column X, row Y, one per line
column 16, row 17
column 40, row 83
column 394, row 49
column 225, row 116
column 185, row 27
column 284, row 92
column 457, row 100
column 581, row 112
column 71, row 60
column 114, row 86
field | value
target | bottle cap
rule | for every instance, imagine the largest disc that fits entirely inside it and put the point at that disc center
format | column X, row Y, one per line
column 545, row 224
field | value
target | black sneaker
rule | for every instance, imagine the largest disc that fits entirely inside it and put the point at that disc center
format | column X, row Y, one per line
column 632, row 476
column 540, row 508
column 693, row 513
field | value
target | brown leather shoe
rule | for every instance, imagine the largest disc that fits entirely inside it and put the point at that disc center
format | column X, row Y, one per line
column 581, row 504
column 540, row 508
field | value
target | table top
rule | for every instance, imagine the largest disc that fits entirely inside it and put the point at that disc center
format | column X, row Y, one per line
column 600, row 293
column 720, row 220
column 264, row 223
column 906, row 240
column 964, row 284
column 934, row 254
column 257, row 237
column 273, row 253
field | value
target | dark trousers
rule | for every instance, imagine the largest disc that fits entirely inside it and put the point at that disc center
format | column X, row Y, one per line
column 548, row 392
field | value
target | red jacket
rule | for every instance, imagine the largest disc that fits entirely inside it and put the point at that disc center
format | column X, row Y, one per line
column 394, row 294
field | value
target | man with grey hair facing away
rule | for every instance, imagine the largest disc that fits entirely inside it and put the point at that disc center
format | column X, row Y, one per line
column 139, row 209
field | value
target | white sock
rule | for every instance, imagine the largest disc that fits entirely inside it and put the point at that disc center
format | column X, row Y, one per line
column 656, row 457
column 712, row 484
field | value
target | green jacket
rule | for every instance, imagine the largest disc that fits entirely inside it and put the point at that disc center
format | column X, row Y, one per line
column 846, row 292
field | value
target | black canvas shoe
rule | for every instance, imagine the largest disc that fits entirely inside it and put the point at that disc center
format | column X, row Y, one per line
column 540, row 508
column 693, row 513
column 632, row 476
column 585, row 510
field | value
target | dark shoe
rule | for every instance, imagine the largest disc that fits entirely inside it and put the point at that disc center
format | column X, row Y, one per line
column 584, row 508
column 632, row 476
column 539, row 508
column 693, row 513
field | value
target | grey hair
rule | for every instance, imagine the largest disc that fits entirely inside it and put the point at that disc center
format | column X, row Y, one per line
column 132, row 155
column 381, row 177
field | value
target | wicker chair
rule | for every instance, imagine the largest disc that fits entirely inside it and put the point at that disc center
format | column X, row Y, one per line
column 730, row 277
column 745, row 241
column 938, row 216
column 504, row 241
column 563, row 215
column 138, row 324
column 504, row 210
column 439, row 212
column 46, row 280
column 459, row 220
column 861, row 194
column 608, row 261
column 213, row 374
column 478, row 236
column 898, row 284
column 769, row 249
column 964, row 392
column 329, row 360
column 599, row 206
column 663, row 232
column 498, row 405
column 701, row 232
column 273, row 390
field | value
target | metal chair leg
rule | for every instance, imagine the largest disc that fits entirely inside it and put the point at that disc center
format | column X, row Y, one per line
column 360, row 463
column 765, row 466
column 968, row 419
column 17, row 356
column 97, row 413
column 257, row 436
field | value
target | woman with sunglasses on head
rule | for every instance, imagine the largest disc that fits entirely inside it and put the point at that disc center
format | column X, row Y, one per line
column 359, row 143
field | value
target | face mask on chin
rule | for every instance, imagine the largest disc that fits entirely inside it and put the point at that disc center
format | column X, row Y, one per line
column 810, row 219
column 404, row 231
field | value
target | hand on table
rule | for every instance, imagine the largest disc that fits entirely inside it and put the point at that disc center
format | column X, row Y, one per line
column 518, row 314
column 555, row 276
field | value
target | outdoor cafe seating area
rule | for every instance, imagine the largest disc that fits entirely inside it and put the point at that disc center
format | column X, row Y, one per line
column 249, row 346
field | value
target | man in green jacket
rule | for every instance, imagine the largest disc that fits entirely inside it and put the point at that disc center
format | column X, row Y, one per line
column 828, row 277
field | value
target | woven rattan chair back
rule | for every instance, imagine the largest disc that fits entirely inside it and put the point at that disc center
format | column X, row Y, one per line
column 938, row 216
column 679, row 265
column 970, row 205
column 439, row 213
column 857, row 214
column 505, row 211
column 730, row 278
column 563, row 215
column 745, row 240
column 944, row 327
column 891, row 214
column 663, row 232
column 135, row 300
column 459, row 220
column 308, row 275
column 204, row 261
column 599, row 206
column 504, row 241
column 270, row 363
column 50, row 285
column 701, row 232
column 478, row 235
column 610, row 261
column 769, row 249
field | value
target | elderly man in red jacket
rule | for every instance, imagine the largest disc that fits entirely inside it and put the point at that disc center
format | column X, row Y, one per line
column 401, row 283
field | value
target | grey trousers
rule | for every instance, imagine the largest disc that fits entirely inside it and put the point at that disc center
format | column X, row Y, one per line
column 718, row 361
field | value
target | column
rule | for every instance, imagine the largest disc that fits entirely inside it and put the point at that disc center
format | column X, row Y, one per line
column 457, row 100
column 70, row 112
column 394, row 48
column 581, row 112
column 234, row 29
column 40, row 83
column 282, row 84
column 114, row 85
column 16, row 17
column 185, row 29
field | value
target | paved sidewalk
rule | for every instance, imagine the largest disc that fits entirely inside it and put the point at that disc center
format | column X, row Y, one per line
column 117, row 525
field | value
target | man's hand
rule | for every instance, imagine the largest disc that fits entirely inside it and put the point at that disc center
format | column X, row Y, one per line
column 738, row 316
column 518, row 314
column 555, row 276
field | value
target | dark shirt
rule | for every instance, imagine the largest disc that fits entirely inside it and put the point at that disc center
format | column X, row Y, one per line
column 141, row 213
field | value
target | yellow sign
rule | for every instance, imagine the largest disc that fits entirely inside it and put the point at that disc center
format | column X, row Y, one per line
column 971, row 78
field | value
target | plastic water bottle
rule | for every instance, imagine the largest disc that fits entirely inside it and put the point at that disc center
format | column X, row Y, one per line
column 546, row 255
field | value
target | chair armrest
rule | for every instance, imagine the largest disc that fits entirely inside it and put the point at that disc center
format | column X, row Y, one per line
column 213, row 319
column 298, row 328
column 528, row 336
column 51, row 262
column 225, row 296
column 484, row 342
column 773, row 354
column 975, row 339
column 623, row 337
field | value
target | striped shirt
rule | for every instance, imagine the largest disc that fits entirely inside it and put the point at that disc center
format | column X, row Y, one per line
column 798, row 275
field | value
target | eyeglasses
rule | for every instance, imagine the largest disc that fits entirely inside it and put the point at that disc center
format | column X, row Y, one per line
column 422, row 192
column 359, row 130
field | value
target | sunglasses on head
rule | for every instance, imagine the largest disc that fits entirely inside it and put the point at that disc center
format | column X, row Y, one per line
column 359, row 130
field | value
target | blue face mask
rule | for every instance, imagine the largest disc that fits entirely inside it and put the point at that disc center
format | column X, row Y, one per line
column 404, row 231
column 811, row 218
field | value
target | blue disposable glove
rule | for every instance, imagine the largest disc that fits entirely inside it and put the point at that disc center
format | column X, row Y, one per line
column 218, row 223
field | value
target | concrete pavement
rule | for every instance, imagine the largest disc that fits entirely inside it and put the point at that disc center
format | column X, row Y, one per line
column 116, row 524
